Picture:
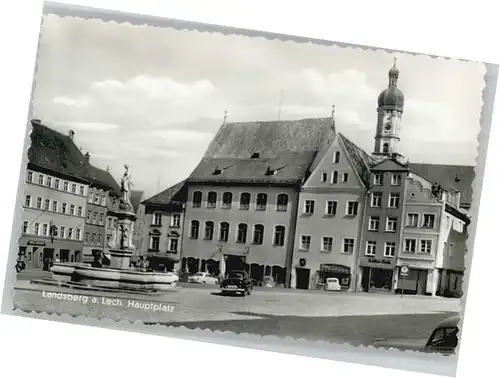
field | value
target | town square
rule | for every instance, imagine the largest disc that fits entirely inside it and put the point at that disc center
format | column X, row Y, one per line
column 322, row 194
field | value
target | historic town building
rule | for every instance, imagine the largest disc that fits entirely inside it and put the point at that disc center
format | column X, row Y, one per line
column 161, row 228
column 408, row 203
column 331, row 207
column 103, row 186
column 55, row 203
column 242, row 198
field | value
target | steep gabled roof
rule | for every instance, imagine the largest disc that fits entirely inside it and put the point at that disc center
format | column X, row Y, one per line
column 360, row 160
column 136, row 197
column 450, row 177
column 262, row 152
column 58, row 153
column 55, row 152
column 175, row 195
column 104, row 178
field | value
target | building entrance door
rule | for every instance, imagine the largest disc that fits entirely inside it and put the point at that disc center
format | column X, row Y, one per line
column 48, row 258
column 302, row 281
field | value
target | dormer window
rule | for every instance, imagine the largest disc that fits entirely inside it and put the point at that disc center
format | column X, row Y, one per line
column 217, row 171
column 255, row 155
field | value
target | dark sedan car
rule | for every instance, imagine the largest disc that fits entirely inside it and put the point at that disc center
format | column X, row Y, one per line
column 237, row 282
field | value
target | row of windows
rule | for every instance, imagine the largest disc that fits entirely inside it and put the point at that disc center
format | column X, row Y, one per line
column 378, row 179
column 410, row 246
column 352, row 207
column 241, row 233
column 55, row 183
column 53, row 205
column 244, row 201
column 334, row 179
column 420, row 220
column 391, row 224
column 154, row 244
column 327, row 244
column 97, row 199
column 393, row 201
column 95, row 218
column 175, row 220
column 389, row 249
column 43, row 229
column 93, row 238
column 424, row 246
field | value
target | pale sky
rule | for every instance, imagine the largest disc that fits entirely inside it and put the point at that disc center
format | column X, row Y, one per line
column 154, row 97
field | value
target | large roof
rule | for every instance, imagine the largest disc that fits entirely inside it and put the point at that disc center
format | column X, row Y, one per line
column 262, row 152
column 104, row 178
column 359, row 158
column 450, row 177
column 175, row 195
column 57, row 153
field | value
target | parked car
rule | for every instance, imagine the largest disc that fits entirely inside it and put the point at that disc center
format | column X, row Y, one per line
column 443, row 339
column 203, row 277
column 332, row 284
column 237, row 282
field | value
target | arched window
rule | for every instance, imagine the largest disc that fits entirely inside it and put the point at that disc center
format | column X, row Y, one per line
column 197, row 199
column 261, row 201
column 335, row 177
column 282, row 202
column 279, row 235
column 209, row 230
column 385, row 148
column 195, row 229
column 224, row 231
column 245, row 201
column 211, row 199
column 242, row 233
column 336, row 157
column 258, row 234
column 227, row 200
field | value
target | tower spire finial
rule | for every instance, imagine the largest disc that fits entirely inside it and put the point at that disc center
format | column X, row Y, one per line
column 225, row 116
column 333, row 112
column 395, row 59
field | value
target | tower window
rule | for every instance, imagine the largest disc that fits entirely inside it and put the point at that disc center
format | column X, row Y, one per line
column 385, row 148
column 388, row 127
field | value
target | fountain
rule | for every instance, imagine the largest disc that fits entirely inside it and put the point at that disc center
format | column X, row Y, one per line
column 118, row 275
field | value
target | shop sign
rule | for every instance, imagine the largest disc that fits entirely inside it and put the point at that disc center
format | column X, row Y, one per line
column 335, row 268
column 37, row 243
column 374, row 260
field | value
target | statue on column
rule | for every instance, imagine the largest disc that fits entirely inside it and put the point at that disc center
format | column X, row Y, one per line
column 125, row 185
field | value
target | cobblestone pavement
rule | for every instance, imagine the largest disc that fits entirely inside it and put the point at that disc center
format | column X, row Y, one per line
column 357, row 318
column 205, row 303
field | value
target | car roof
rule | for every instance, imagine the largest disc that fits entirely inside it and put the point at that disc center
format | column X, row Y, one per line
column 452, row 321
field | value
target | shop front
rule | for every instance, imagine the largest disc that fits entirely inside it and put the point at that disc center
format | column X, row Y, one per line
column 162, row 262
column 377, row 274
column 418, row 279
column 41, row 253
column 342, row 272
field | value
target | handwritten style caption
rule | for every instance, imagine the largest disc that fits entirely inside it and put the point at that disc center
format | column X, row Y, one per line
column 110, row 302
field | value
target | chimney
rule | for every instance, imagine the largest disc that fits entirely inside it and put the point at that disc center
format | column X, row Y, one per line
column 87, row 157
column 71, row 134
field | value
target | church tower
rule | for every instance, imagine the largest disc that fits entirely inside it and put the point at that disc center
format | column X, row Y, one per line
column 390, row 110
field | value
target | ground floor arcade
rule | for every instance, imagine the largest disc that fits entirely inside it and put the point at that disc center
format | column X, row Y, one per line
column 255, row 270
column 41, row 253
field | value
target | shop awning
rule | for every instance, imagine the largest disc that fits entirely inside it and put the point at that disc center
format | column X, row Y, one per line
column 334, row 268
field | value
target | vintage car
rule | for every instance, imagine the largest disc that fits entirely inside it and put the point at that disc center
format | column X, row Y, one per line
column 332, row 284
column 236, row 282
column 443, row 339
column 203, row 277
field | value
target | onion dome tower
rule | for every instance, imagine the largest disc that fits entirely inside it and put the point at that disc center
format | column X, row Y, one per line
column 390, row 110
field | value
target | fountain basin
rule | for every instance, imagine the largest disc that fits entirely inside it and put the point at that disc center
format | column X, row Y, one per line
column 125, row 279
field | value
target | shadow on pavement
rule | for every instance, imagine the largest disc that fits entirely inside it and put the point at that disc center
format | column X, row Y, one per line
column 355, row 330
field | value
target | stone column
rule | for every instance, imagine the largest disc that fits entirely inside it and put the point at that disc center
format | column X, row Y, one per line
column 293, row 281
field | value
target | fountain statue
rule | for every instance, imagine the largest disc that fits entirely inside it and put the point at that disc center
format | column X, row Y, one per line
column 119, row 274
